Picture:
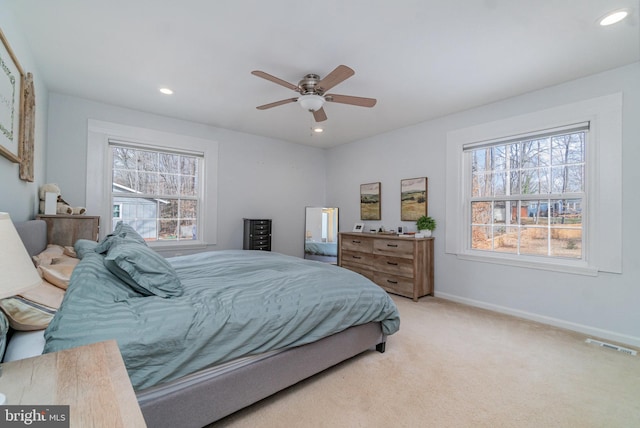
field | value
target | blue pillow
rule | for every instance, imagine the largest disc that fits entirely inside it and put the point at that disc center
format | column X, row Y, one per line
column 144, row 270
column 122, row 232
column 82, row 246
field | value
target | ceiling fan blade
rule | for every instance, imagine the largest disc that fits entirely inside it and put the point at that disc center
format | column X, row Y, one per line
column 274, row 79
column 348, row 99
column 319, row 115
column 277, row 103
column 340, row 74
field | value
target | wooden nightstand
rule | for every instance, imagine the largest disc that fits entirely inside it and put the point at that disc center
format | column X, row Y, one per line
column 67, row 229
column 91, row 379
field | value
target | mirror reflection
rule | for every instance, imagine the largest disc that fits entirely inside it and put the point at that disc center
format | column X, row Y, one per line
column 321, row 234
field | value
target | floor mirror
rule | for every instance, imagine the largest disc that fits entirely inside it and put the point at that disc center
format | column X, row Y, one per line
column 321, row 234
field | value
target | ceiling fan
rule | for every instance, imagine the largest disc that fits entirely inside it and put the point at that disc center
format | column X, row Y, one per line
column 312, row 92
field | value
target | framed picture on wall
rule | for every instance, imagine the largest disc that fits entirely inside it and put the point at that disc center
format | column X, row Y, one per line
column 413, row 198
column 11, row 81
column 370, row 201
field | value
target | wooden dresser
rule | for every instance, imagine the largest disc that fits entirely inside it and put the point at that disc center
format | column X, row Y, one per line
column 67, row 229
column 401, row 266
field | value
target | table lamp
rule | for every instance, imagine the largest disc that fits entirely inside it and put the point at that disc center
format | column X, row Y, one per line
column 17, row 272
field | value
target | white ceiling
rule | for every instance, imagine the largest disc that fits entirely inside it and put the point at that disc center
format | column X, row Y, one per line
column 421, row 59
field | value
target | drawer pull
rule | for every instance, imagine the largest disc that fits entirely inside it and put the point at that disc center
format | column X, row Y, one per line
column 392, row 282
column 356, row 257
column 392, row 263
column 356, row 242
column 392, row 245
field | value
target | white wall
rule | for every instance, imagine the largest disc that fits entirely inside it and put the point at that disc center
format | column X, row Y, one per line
column 20, row 198
column 605, row 306
column 258, row 177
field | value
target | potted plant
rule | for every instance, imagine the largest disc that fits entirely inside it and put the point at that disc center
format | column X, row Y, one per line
column 426, row 225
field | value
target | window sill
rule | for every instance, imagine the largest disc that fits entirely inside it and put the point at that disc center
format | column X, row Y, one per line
column 565, row 266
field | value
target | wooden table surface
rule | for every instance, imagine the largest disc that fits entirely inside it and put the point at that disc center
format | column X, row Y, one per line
column 91, row 379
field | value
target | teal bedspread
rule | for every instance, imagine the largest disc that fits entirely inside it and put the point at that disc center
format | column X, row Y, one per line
column 235, row 303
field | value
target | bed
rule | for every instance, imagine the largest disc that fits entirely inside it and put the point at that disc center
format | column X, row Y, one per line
column 190, row 374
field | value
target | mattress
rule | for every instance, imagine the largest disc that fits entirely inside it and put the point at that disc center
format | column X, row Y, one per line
column 235, row 304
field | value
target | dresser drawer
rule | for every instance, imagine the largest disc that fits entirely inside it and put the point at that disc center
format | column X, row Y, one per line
column 260, row 242
column 394, row 284
column 357, row 244
column 394, row 247
column 260, row 232
column 354, row 257
column 257, row 228
column 394, row 265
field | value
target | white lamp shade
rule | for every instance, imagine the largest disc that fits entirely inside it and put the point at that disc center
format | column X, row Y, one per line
column 311, row 102
column 17, row 272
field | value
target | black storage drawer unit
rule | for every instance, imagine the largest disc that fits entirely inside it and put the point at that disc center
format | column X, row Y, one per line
column 257, row 234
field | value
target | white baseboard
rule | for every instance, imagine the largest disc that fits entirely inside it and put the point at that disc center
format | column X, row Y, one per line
column 584, row 329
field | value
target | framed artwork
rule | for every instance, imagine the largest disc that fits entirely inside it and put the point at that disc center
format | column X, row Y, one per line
column 25, row 150
column 370, row 201
column 413, row 198
column 11, row 107
column 358, row 227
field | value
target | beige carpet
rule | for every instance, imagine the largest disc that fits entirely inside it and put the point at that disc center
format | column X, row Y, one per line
column 451, row 365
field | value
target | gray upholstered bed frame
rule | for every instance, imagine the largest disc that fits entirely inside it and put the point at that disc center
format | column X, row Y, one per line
column 213, row 393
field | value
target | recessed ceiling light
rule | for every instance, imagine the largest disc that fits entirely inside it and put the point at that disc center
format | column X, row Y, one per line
column 613, row 17
column 318, row 130
column 166, row 91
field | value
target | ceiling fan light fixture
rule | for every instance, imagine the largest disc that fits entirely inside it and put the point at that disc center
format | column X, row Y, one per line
column 311, row 102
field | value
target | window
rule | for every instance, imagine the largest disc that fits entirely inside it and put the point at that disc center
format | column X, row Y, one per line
column 163, row 184
column 157, row 191
column 526, row 196
column 541, row 190
column 117, row 212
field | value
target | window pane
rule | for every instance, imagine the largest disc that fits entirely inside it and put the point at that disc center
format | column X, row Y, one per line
column 506, row 175
column 481, row 185
column 168, row 163
column 169, row 209
column 188, row 165
column 481, row 212
column 169, row 184
column 188, row 229
column 534, row 241
column 481, row 238
column 499, row 182
column 147, row 183
column 566, row 242
column 168, row 230
column 123, row 180
column 188, row 186
column 149, row 186
column 505, row 239
column 147, row 161
column 189, row 209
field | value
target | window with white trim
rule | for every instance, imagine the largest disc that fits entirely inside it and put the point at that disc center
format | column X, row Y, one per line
column 541, row 190
column 164, row 184
column 526, row 195
column 157, row 190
